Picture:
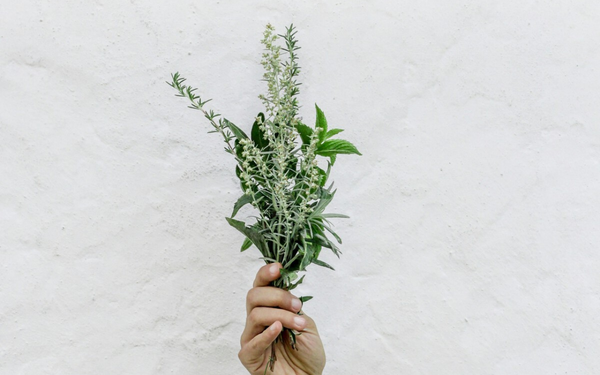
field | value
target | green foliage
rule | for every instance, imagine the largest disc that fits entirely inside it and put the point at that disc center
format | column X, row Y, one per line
column 246, row 244
column 321, row 123
column 241, row 202
column 278, row 168
column 305, row 133
column 335, row 147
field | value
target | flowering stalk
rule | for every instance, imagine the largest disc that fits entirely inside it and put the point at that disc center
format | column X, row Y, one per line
column 278, row 169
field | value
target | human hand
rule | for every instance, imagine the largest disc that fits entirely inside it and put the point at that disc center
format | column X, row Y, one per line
column 271, row 307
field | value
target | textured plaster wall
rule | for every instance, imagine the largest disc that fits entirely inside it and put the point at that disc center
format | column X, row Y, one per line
column 473, row 242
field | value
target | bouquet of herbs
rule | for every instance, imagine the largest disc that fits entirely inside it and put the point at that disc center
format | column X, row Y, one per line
column 278, row 168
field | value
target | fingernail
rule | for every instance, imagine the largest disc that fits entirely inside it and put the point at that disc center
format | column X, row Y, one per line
column 274, row 269
column 296, row 304
column 300, row 322
column 273, row 328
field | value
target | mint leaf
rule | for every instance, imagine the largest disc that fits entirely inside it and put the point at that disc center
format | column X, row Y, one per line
column 336, row 146
column 321, row 123
column 333, row 132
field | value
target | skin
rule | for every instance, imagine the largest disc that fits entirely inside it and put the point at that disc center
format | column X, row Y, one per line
column 268, row 310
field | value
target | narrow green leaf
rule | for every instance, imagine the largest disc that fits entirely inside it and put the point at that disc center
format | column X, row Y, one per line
column 321, row 123
column 338, row 239
column 305, row 298
column 246, row 245
column 325, row 242
column 252, row 233
column 308, row 254
column 325, row 198
column 293, row 286
column 241, row 202
column 322, row 264
column 332, row 159
column 339, row 216
column 336, row 146
column 239, row 133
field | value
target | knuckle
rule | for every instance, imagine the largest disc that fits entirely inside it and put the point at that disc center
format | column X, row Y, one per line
column 253, row 316
column 289, row 299
column 251, row 296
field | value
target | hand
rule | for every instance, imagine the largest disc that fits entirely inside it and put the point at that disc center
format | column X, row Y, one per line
column 262, row 312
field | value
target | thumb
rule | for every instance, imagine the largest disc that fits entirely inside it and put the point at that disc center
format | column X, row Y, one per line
column 253, row 352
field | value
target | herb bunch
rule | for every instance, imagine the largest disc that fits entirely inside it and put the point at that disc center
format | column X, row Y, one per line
column 278, row 168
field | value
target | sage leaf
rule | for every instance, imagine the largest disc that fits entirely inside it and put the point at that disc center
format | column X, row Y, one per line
column 241, row 202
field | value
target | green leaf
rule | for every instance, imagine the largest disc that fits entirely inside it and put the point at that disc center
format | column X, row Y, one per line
column 291, row 170
column 337, row 238
column 288, row 276
column 307, row 255
column 322, row 264
column 238, row 173
column 339, row 216
column 257, row 134
column 322, row 239
column 336, row 146
column 322, row 176
column 238, row 149
column 332, row 159
column 305, row 133
column 305, row 298
column 325, row 198
column 246, row 245
column 239, row 133
column 321, row 123
column 241, row 202
column 293, row 286
column 333, row 132
column 252, row 233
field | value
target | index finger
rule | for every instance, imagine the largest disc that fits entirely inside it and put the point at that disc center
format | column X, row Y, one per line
column 266, row 274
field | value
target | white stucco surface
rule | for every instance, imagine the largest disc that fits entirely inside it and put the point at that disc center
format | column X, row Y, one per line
column 473, row 244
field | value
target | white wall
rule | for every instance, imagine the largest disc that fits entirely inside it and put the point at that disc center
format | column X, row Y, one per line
column 475, row 229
